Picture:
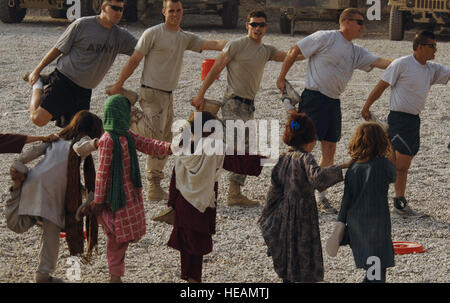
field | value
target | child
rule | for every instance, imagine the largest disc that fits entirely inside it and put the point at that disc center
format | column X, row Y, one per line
column 193, row 196
column 364, row 207
column 51, row 194
column 289, row 222
column 118, row 188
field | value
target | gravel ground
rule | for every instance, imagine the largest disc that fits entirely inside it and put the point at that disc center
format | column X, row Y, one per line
column 239, row 251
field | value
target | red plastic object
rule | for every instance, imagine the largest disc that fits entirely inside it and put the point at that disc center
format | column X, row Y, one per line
column 206, row 67
column 62, row 235
column 402, row 248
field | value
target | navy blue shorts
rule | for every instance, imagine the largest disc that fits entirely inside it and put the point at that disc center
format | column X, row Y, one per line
column 404, row 132
column 325, row 112
column 62, row 97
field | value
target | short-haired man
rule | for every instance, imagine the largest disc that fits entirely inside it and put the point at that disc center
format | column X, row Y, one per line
column 162, row 46
column 85, row 52
column 245, row 59
column 332, row 58
column 410, row 78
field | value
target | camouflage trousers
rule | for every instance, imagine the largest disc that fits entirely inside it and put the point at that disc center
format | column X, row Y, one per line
column 233, row 109
column 154, row 121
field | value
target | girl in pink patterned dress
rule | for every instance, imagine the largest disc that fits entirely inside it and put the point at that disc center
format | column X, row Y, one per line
column 118, row 188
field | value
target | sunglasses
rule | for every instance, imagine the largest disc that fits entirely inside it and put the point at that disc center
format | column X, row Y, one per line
column 116, row 8
column 431, row 45
column 256, row 24
column 359, row 21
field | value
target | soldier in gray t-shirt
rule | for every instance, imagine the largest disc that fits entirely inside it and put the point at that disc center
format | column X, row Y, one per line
column 162, row 48
column 332, row 58
column 410, row 78
column 85, row 52
column 245, row 59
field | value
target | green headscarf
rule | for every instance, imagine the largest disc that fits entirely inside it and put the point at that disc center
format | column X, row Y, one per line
column 116, row 121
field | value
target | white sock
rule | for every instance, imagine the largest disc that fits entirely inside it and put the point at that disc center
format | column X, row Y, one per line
column 38, row 84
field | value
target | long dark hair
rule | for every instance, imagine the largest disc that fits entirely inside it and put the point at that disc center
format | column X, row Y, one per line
column 84, row 123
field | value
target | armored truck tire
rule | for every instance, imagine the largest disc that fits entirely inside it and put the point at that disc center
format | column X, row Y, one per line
column 130, row 14
column 396, row 24
column 11, row 14
column 285, row 24
column 230, row 14
column 90, row 7
column 58, row 13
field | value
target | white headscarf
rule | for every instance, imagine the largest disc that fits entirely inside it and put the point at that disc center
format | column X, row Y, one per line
column 196, row 176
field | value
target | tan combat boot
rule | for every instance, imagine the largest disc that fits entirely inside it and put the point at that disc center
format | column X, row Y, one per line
column 167, row 216
column 235, row 198
column 155, row 192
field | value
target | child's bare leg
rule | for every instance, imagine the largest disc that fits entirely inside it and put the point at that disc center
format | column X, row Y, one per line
column 190, row 280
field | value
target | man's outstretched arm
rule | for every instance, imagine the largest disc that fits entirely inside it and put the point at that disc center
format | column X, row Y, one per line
column 382, row 63
column 127, row 71
column 48, row 58
column 294, row 54
column 374, row 95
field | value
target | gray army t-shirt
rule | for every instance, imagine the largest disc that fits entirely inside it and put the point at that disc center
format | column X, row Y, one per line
column 332, row 59
column 163, row 50
column 246, row 66
column 90, row 49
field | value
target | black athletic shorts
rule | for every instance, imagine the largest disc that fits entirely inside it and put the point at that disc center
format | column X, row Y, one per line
column 325, row 112
column 404, row 132
column 62, row 97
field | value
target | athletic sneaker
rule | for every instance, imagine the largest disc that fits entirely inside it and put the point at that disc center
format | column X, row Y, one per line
column 402, row 209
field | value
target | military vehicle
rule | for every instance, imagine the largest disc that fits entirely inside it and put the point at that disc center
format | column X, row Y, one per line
column 13, row 11
column 308, row 10
column 227, row 9
column 405, row 14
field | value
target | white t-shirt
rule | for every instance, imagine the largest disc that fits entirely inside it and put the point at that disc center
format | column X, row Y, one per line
column 163, row 50
column 411, row 81
column 332, row 59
